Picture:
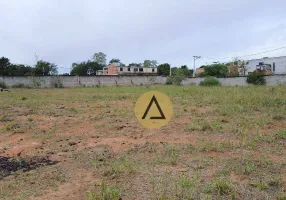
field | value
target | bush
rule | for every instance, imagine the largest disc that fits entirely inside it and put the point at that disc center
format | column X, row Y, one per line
column 20, row 85
column 169, row 80
column 256, row 79
column 176, row 78
column 210, row 81
column 217, row 70
column 3, row 85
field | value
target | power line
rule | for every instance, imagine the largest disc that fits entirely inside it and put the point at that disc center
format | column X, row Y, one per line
column 253, row 54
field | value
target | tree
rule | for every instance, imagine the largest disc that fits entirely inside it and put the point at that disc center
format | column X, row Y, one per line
column 8, row 69
column 164, row 69
column 147, row 63
column 186, row 70
column 20, row 70
column 114, row 60
column 4, row 64
column 45, row 68
column 216, row 69
column 135, row 64
column 150, row 63
column 82, row 68
column 177, row 76
column 99, row 58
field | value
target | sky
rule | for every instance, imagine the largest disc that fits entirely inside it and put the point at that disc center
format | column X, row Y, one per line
column 169, row 31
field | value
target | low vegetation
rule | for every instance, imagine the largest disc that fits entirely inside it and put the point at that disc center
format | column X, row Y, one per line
column 210, row 81
column 221, row 143
column 3, row 85
column 256, row 79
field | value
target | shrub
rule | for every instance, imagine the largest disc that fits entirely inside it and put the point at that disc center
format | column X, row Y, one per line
column 222, row 186
column 256, row 79
column 217, row 70
column 210, row 81
column 20, row 85
column 3, row 85
column 169, row 80
column 176, row 78
column 58, row 85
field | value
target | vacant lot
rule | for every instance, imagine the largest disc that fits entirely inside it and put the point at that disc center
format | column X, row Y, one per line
column 86, row 143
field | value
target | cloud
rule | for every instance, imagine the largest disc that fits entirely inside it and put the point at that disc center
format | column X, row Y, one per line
column 67, row 31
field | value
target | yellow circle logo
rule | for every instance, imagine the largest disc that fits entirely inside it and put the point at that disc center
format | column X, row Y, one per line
column 153, row 109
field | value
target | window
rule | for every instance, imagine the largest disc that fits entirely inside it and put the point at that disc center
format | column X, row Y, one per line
column 135, row 69
column 129, row 69
column 274, row 66
column 153, row 70
column 121, row 69
column 105, row 68
column 140, row 69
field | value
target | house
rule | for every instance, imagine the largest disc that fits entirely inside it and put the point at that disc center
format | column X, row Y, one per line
column 233, row 70
column 117, row 69
column 199, row 71
column 277, row 65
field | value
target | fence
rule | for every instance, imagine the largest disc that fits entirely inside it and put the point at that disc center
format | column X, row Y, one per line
column 75, row 81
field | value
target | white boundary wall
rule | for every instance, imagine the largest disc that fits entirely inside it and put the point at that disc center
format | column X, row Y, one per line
column 76, row 81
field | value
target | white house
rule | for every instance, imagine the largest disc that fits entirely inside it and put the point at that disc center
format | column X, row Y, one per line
column 117, row 69
column 136, row 70
column 277, row 64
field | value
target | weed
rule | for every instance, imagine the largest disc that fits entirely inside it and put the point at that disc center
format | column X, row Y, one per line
column 222, row 186
column 119, row 166
column 216, row 146
column 10, row 126
column 3, row 85
column 74, row 110
column 30, row 119
column 281, row 135
column 105, row 193
column 170, row 156
column 248, row 166
column 187, row 187
column 278, row 117
column 260, row 184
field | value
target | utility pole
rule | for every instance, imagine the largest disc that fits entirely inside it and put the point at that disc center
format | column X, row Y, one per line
column 195, row 58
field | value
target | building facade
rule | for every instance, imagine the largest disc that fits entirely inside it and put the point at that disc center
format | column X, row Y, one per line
column 277, row 65
column 116, row 69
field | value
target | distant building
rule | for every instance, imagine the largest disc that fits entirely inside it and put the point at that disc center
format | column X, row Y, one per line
column 233, row 70
column 277, row 65
column 117, row 69
column 199, row 71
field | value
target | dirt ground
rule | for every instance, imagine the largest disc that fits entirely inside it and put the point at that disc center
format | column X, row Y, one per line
column 86, row 143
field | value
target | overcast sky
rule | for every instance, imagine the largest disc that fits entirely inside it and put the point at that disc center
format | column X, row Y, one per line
column 67, row 31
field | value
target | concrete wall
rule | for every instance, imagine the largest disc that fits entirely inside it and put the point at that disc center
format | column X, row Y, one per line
column 239, row 81
column 233, row 81
column 75, row 81
column 276, row 80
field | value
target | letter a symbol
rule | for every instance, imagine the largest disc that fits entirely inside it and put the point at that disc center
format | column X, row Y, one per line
column 158, row 106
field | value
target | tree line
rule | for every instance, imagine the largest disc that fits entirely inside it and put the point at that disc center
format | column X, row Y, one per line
column 99, row 61
column 41, row 68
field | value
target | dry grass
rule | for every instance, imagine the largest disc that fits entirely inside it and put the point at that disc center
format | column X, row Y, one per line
column 222, row 143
